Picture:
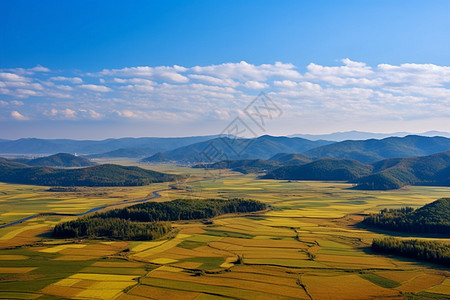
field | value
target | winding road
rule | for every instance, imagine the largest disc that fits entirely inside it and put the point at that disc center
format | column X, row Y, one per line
column 155, row 195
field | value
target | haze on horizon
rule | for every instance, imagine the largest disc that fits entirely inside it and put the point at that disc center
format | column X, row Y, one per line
column 177, row 68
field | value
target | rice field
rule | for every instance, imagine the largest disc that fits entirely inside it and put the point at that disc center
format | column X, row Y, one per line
column 306, row 246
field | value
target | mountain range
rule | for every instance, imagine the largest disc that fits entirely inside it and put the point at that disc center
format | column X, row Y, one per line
column 362, row 135
column 225, row 148
column 265, row 147
column 372, row 150
column 214, row 148
column 145, row 145
column 383, row 175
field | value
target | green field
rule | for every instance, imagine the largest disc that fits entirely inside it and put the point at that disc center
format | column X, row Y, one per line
column 305, row 246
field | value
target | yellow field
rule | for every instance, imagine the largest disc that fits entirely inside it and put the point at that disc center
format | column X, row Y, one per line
column 15, row 270
column 62, row 247
column 306, row 246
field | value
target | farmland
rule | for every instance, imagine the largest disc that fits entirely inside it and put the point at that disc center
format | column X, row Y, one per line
column 306, row 246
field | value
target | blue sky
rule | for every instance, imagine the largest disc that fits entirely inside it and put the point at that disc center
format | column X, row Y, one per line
column 98, row 69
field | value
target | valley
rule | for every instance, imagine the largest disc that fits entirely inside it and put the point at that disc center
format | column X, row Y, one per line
column 308, row 245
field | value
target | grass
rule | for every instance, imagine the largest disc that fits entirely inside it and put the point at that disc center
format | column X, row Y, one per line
column 223, row 233
column 381, row 281
column 207, row 263
column 190, row 244
column 114, row 270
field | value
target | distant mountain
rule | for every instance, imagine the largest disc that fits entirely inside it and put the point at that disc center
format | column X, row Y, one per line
column 224, row 148
column 396, row 173
column 59, row 160
column 44, row 146
column 372, row 150
column 101, row 175
column 322, row 169
column 127, row 152
column 383, row 175
column 361, row 135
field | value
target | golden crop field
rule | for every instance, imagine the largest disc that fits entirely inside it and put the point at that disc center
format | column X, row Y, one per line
column 306, row 246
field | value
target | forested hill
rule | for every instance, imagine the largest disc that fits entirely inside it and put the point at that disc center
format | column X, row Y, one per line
column 65, row 160
column 322, row 169
column 396, row 173
column 433, row 218
column 242, row 165
column 101, row 175
column 383, row 175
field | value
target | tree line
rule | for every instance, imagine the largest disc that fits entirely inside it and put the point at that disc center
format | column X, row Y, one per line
column 432, row 251
column 114, row 228
column 183, row 209
column 432, row 218
column 149, row 221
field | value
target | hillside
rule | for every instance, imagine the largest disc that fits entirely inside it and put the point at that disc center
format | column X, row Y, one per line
column 395, row 173
column 369, row 151
column 322, row 169
column 431, row 218
column 244, row 166
column 125, row 152
column 291, row 158
column 262, row 147
column 101, row 175
column 383, row 175
column 60, row 160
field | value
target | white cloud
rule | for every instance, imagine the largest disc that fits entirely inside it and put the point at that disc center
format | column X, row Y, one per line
column 74, row 80
column 94, row 115
column 39, row 68
column 65, row 113
column 285, row 83
column 25, row 85
column 349, row 69
column 138, row 88
column 95, row 88
column 129, row 114
column 24, row 93
column 344, row 91
column 255, row 85
column 18, row 116
column 214, row 80
column 244, row 71
column 69, row 113
column 159, row 73
column 13, row 77
column 64, row 87
column 139, row 84
column 11, row 103
column 415, row 74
